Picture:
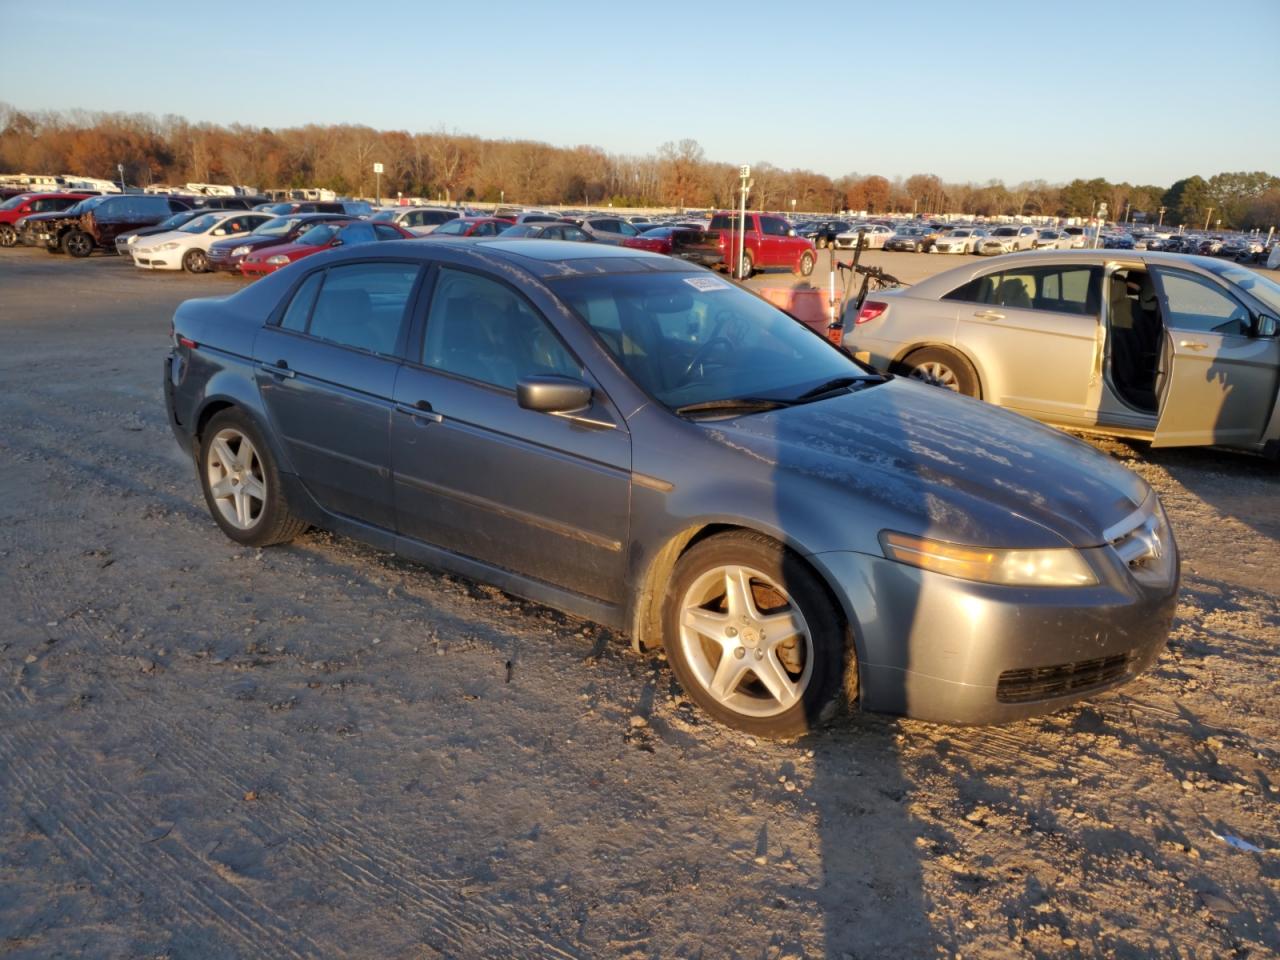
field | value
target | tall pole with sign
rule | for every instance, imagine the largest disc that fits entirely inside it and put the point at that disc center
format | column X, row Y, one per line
column 120, row 167
column 377, row 173
column 745, row 173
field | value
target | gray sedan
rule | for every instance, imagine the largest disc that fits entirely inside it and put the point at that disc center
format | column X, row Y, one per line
column 640, row 442
column 1176, row 350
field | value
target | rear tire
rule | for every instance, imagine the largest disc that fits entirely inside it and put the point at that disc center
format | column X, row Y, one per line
column 78, row 244
column 770, row 665
column 241, row 483
column 746, row 266
column 942, row 368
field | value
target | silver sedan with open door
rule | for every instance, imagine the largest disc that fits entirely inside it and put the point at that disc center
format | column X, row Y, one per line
column 1177, row 350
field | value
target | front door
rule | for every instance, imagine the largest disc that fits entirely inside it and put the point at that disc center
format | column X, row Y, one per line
column 327, row 375
column 540, row 495
column 1037, row 330
column 1219, row 383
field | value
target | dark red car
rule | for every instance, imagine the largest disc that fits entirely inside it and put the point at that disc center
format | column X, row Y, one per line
column 25, row 204
column 664, row 239
column 227, row 255
column 335, row 233
column 472, row 227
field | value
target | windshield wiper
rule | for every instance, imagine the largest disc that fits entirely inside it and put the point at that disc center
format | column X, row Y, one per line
column 729, row 404
column 839, row 383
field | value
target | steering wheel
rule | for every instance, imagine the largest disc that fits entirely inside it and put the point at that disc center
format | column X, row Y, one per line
column 703, row 353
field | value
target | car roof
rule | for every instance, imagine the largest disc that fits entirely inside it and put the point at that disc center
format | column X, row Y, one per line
column 543, row 259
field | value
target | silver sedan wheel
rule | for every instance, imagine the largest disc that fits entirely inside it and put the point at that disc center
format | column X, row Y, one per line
column 937, row 374
column 746, row 641
column 236, row 478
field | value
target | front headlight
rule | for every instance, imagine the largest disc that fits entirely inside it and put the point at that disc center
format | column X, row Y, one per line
column 1058, row 567
column 278, row 260
column 240, row 251
column 171, row 245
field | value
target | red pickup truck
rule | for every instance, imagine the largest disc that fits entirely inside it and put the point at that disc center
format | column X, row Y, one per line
column 769, row 242
column 25, row 204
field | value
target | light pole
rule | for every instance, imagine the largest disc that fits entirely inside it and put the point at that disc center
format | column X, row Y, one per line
column 744, row 173
column 1161, row 223
column 1206, row 218
column 793, row 208
column 120, row 167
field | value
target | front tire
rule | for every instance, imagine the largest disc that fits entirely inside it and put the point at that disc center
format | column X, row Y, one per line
column 8, row 236
column 195, row 261
column 78, row 244
column 753, row 636
column 806, row 265
column 942, row 368
column 241, row 484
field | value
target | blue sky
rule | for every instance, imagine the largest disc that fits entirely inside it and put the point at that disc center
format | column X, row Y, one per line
column 1141, row 91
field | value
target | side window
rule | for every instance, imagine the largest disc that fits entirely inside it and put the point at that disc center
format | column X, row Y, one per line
column 299, row 312
column 627, row 230
column 479, row 329
column 773, row 227
column 176, row 206
column 385, row 232
column 484, row 230
column 362, row 305
column 1060, row 289
column 1196, row 303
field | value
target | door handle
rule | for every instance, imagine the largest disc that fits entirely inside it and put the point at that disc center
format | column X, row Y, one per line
column 420, row 410
column 1192, row 344
column 989, row 315
column 280, row 368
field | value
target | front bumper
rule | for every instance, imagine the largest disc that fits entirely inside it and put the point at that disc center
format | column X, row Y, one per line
column 225, row 264
column 159, row 260
column 954, row 651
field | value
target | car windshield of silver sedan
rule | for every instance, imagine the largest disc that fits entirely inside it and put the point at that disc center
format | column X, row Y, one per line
column 699, row 345
column 1263, row 288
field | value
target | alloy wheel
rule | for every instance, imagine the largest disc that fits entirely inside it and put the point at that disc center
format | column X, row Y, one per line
column 746, row 641
column 236, row 478
column 937, row 374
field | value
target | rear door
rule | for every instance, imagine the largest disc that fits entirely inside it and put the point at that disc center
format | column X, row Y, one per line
column 1034, row 330
column 327, row 373
column 1218, row 384
column 477, row 475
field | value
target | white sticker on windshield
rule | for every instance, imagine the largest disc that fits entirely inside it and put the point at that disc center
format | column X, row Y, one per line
column 706, row 284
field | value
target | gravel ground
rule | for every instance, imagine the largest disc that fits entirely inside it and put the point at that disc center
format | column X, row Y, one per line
column 321, row 751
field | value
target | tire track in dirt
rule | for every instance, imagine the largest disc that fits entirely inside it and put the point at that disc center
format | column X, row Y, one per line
column 106, row 830
column 372, row 870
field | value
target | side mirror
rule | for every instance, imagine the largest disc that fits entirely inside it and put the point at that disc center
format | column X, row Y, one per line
column 1265, row 326
column 335, row 242
column 552, row 394
column 791, row 232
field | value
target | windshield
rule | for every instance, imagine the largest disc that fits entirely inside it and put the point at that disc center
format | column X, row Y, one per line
column 318, row 236
column 688, row 338
column 277, row 227
column 1260, row 287
column 452, row 227
column 13, row 202
column 201, row 224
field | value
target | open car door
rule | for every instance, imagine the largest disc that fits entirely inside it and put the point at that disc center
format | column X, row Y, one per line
column 1217, row 381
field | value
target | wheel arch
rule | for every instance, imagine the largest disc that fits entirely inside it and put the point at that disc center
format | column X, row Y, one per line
column 897, row 362
column 217, row 403
column 650, row 596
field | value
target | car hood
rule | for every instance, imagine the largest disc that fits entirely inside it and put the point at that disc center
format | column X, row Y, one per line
column 932, row 463
column 155, row 239
column 247, row 240
column 290, row 250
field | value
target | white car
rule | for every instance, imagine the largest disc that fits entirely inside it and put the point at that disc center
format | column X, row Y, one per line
column 1078, row 236
column 187, row 247
column 1008, row 240
column 418, row 220
column 877, row 236
column 1052, row 240
column 959, row 240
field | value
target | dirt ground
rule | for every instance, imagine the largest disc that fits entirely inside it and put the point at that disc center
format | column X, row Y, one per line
column 318, row 750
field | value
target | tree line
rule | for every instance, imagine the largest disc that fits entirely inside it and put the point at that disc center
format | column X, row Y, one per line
column 452, row 166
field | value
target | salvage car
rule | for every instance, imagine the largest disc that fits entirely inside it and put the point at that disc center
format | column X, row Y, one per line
column 1176, row 350
column 639, row 442
column 94, row 224
column 28, row 204
column 186, row 248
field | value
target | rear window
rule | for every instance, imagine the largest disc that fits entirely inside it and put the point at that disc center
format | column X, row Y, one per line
column 726, row 221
